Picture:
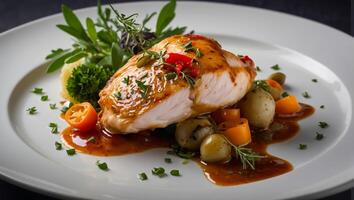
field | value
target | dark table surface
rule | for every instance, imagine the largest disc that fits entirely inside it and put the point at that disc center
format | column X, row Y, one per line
column 338, row 14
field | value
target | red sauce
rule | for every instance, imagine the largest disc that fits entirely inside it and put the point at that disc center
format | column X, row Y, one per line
column 283, row 128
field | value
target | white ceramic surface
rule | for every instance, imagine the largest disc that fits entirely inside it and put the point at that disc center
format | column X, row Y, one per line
column 304, row 50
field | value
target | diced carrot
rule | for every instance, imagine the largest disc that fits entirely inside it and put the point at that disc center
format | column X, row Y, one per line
column 274, row 84
column 226, row 115
column 287, row 105
column 240, row 134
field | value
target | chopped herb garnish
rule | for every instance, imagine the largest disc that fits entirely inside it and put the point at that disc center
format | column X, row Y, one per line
column 247, row 156
column 323, row 124
column 91, row 139
column 103, row 166
column 38, row 90
column 258, row 69
column 275, row 67
column 44, row 98
column 118, row 95
column 126, row 80
column 261, row 84
column 306, row 95
column 177, row 150
column 158, row 171
column 71, row 152
column 190, row 80
column 142, row 87
column 54, row 127
column 168, row 160
column 53, row 106
column 171, row 75
column 198, row 53
column 175, row 172
column 32, row 110
column 322, row 106
column 285, row 94
column 319, row 136
column 302, row 146
column 58, row 146
column 66, row 106
column 314, row 80
column 143, row 176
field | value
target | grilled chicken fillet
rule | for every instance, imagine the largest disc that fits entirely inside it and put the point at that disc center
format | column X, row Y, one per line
column 148, row 97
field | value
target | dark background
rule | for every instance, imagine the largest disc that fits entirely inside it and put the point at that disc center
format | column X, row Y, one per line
column 338, row 14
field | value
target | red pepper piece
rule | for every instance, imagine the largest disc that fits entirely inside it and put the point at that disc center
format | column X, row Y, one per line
column 179, row 68
column 173, row 58
column 194, row 72
column 246, row 58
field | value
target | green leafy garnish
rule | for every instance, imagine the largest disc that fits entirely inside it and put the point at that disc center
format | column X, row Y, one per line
column 58, row 146
column 258, row 69
column 142, row 87
column 38, row 90
column 275, row 67
column 126, row 80
column 143, row 176
column 54, row 127
column 66, row 106
column 175, row 172
column 285, row 94
column 322, row 106
column 323, row 124
column 32, row 110
column 306, row 95
column 158, row 171
column 302, row 146
column 171, row 75
column 168, row 160
column 102, row 165
column 190, row 80
column 319, row 136
column 70, row 152
column 314, row 80
column 261, row 84
column 44, row 98
column 91, row 139
column 189, row 47
column 53, row 106
column 118, row 95
column 247, row 156
column 166, row 15
column 182, row 153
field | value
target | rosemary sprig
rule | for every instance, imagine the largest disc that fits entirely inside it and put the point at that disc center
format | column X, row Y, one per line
column 247, row 156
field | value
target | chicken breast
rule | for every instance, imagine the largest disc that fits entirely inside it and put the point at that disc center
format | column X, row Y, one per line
column 156, row 94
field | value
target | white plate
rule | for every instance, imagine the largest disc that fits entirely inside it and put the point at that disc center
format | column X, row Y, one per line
column 304, row 50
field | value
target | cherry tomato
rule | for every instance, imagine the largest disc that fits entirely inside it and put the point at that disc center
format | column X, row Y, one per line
column 82, row 116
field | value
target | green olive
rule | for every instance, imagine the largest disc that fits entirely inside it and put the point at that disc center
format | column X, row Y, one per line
column 191, row 132
column 258, row 106
column 278, row 77
column 215, row 148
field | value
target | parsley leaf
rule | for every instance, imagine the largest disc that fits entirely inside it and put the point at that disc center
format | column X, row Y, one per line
column 70, row 152
column 38, row 90
column 275, row 67
column 103, row 166
column 58, row 146
column 54, row 127
column 32, row 110
column 323, row 124
column 175, row 172
column 143, row 176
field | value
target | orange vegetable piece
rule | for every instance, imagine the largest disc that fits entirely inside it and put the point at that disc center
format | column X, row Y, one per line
column 82, row 116
column 274, row 84
column 226, row 115
column 287, row 105
column 240, row 134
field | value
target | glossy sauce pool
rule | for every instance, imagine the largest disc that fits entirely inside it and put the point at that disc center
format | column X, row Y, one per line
column 232, row 173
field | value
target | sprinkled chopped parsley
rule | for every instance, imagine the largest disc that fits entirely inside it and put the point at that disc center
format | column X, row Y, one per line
column 190, row 80
column 143, row 176
column 306, row 95
column 261, row 84
column 38, row 90
column 302, row 146
column 70, row 152
column 322, row 106
column 118, row 95
column 168, row 160
column 58, row 146
column 198, row 53
column 126, row 80
column 314, row 80
column 142, row 87
column 66, row 106
column 319, row 136
column 323, row 124
column 158, row 171
column 258, row 69
column 285, row 94
column 275, row 67
column 44, row 98
column 32, row 110
column 103, row 166
column 53, row 106
column 171, row 75
column 54, row 127
column 189, row 47
column 175, row 172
